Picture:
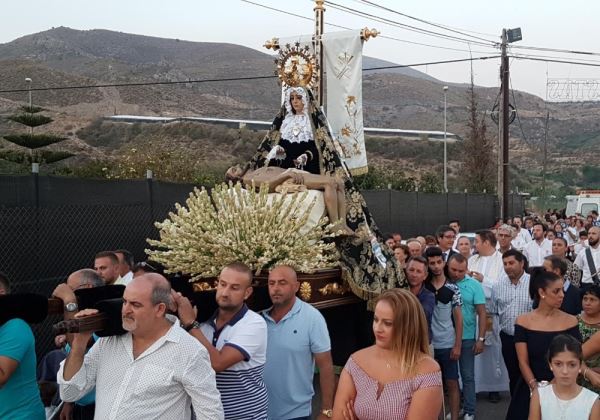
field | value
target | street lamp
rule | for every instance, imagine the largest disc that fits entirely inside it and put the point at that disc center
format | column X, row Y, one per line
column 445, row 145
column 28, row 80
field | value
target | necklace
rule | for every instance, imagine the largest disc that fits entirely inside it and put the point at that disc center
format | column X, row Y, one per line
column 296, row 130
column 563, row 407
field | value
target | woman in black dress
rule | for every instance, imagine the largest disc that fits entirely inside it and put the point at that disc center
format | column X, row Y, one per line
column 534, row 332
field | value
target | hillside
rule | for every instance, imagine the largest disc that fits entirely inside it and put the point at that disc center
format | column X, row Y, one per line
column 395, row 98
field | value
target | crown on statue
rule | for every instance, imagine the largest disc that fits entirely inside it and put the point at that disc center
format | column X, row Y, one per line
column 297, row 66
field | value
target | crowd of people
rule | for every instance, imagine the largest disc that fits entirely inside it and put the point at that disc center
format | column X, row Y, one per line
column 516, row 311
column 523, row 284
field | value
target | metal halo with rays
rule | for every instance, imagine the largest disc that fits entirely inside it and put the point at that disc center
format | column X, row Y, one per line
column 296, row 66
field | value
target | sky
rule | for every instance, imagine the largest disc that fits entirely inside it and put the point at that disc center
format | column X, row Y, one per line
column 544, row 23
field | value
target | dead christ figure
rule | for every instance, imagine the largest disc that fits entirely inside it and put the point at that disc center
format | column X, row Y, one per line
column 333, row 189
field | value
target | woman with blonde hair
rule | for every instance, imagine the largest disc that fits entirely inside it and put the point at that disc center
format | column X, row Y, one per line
column 395, row 378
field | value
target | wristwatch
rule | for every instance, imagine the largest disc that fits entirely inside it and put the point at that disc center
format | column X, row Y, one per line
column 71, row 307
column 327, row 413
column 191, row 326
column 482, row 339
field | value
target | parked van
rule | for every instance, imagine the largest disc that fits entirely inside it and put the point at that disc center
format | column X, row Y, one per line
column 587, row 200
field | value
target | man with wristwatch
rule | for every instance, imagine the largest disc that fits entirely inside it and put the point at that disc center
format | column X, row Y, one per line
column 81, row 279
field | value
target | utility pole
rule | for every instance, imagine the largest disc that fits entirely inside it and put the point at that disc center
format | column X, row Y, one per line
column 545, row 162
column 503, row 169
column 318, row 48
column 445, row 143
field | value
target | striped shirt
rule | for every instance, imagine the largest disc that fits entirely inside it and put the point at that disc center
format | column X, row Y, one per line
column 242, row 388
column 510, row 300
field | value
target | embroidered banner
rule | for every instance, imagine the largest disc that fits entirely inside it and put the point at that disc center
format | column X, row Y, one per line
column 343, row 68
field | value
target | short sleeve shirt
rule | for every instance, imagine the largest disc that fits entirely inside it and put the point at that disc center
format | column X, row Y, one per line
column 289, row 370
column 242, row 387
column 472, row 294
column 447, row 298
column 20, row 396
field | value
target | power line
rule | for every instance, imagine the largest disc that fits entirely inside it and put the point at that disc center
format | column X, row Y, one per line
column 515, row 54
column 558, row 50
column 290, row 13
column 347, row 28
column 230, row 79
column 549, row 60
column 405, row 26
column 437, row 25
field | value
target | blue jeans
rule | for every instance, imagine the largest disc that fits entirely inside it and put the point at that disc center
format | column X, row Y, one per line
column 467, row 375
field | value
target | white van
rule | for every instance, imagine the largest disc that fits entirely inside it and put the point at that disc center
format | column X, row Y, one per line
column 588, row 200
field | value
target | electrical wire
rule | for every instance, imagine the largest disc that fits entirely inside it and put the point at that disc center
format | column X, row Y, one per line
column 230, row 79
column 558, row 50
column 291, row 14
column 391, row 22
column 347, row 28
column 548, row 60
column 512, row 92
column 437, row 25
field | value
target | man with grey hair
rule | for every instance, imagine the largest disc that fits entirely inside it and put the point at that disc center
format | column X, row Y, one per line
column 155, row 370
column 504, row 235
column 80, row 279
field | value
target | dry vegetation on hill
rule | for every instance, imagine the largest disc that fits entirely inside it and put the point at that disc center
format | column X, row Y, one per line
column 398, row 98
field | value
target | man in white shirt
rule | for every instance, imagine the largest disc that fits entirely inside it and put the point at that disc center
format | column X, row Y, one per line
column 126, row 263
column 582, row 259
column 106, row 264
column 504, row 234
column 539, row 248
column 510, row 298
column 155, row 370
column 486, row 266
column 522, row 237
column 582, row 243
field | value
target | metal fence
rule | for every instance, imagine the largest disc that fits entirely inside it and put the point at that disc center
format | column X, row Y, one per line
column 52, row 226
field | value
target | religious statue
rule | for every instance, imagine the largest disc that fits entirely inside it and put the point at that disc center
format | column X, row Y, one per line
column 275, row 178
column 299, row 138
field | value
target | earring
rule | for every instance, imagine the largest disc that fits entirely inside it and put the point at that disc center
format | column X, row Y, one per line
column 543, row 297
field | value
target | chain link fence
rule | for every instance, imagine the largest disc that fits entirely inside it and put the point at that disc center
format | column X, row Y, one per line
column 52, row 226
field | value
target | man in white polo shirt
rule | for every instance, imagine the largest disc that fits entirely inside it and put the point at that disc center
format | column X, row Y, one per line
column 539, row 248
column 298, row 338
column 236, row 340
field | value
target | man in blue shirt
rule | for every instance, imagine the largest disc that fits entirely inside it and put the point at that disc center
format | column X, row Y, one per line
column 416, row 273
column 297, row 338
column 19, row 394
column 474, row 324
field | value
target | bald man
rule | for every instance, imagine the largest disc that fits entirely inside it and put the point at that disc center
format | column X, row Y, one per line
column 155, row 370
column 588, row 259
column 298, row 338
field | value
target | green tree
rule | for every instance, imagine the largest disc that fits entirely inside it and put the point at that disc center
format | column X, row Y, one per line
column 30, row 116
column 478, row 156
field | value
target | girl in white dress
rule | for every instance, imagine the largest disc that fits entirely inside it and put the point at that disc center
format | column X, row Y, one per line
column 563, row 399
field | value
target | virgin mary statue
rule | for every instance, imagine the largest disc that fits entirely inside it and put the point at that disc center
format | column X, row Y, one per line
column 299, row 137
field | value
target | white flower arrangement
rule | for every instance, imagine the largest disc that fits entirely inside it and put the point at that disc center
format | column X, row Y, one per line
column 235, row 224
